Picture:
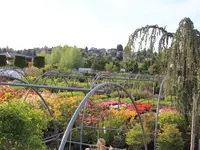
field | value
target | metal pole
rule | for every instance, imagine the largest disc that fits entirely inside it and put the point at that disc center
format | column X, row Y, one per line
column 157, row 113
column 199, row 145
column 51, row 87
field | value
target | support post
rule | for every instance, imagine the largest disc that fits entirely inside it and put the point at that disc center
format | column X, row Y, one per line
column 194, row 118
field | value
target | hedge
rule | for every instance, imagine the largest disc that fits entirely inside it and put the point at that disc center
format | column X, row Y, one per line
column 3, row 60
column 39, row 62
column 20, row 61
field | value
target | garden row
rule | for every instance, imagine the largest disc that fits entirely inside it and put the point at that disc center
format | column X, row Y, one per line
column 102, row 112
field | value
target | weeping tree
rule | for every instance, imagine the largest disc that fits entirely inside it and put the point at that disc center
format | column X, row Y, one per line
column 182, row 50
column 184, row 65
column 182, row 53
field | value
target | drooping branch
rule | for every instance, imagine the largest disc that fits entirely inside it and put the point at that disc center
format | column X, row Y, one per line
column 164, row 41
column 149, row 35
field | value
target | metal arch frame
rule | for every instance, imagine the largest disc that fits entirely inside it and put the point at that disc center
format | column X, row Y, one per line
column 84, row 102
column 83, row 116
column 35, row 90
column 96, row 78
column 157, row 110
column 38, row 78
column 157, row 113
column 21, row 74
column 48, row 72
column 102, row 76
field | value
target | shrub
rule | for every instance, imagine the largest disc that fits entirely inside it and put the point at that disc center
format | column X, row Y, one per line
column 20, row 61
column 118, row 120
column 9, row 93
column 170, row 138
column 149, row 121
column 173, row 118
column 39, row 61
column 20, row 126
column 3, row 60
column 63, row 108
column 134, row 137
column 33, row 71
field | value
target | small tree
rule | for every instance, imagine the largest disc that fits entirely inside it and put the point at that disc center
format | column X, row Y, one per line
column 39, row 61
column 3, row 60
column 119, row 47
column 20, row 61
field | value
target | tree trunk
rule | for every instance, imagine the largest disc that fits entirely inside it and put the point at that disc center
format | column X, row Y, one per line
column 194, row 118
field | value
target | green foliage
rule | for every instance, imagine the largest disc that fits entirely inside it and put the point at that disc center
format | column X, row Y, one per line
column 144, row 67
column 154, row 69
column 173, row 118
column 110, row 123
column 39, row 61
column 20, row 126
column 88, row 61
column 56, row 54
column 111, row 67
column 184, row 65
column 130, row 66
column 64, row 58
column 99, row 63
column 47, row 57
column 170, row 138
column 3, row 60
column 71, row 58
column 134, row 137
column 33, row 72
column 20, row 61
column 127, row 53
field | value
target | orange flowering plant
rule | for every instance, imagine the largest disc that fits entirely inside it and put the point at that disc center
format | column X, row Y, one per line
column 8, row 93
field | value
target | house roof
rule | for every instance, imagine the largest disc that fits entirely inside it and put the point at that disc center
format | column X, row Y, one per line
column 9, row 55
column 12, row 55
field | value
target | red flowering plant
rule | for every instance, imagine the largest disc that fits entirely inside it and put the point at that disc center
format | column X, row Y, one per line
column 142, row 107
column 95, row 112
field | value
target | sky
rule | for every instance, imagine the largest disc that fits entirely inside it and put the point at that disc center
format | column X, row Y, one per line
column 94, row 23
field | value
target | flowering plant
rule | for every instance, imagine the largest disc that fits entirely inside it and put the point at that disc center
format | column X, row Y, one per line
column 142, row 107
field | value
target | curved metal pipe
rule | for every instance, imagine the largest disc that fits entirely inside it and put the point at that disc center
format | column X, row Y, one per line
column 85, row 100
column 157, row 113
column 98, row 77
column 83, row 116
column 35, row 90
column 38, row 78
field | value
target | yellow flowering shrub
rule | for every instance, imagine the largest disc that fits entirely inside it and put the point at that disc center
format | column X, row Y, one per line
column 64, row 108
column 124, row 114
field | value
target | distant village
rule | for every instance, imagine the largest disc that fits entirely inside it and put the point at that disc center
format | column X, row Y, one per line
column 10, row 53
